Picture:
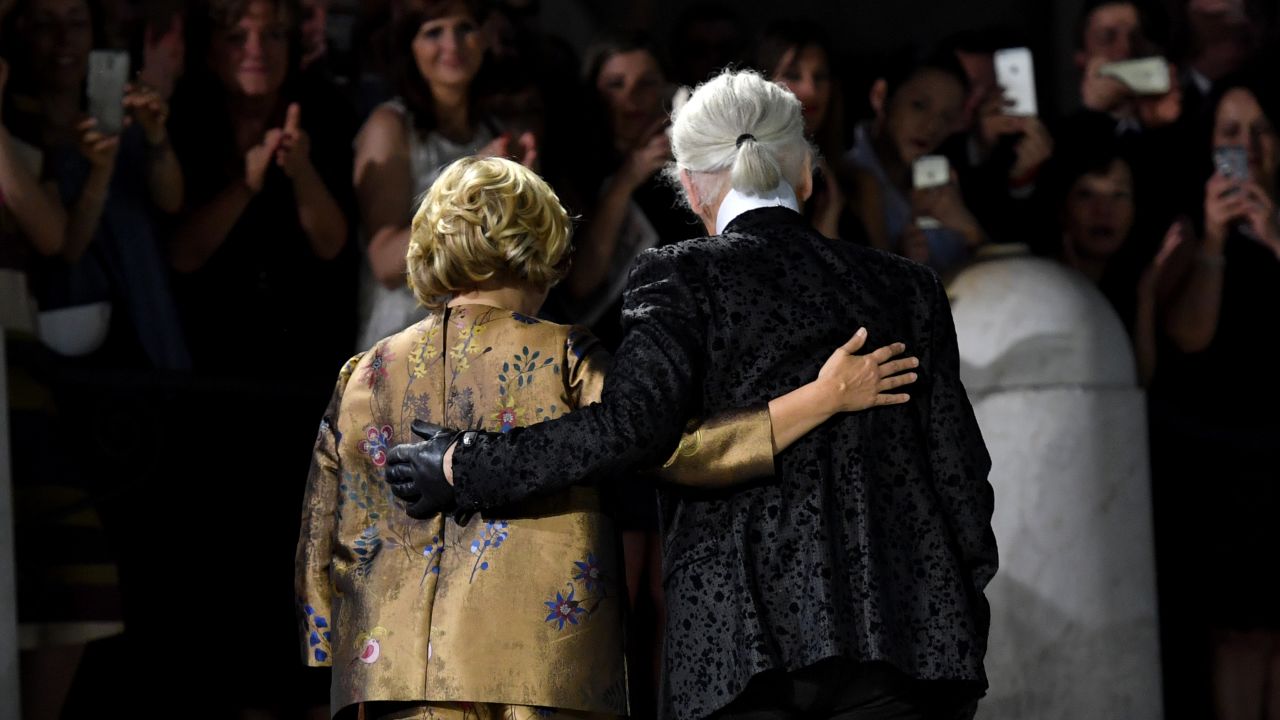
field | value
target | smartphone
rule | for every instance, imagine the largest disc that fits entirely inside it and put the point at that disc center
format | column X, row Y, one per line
column 931, row 171
column 108, row 73
column 1232, row 162
column 1145, row 76
column 1016, row 74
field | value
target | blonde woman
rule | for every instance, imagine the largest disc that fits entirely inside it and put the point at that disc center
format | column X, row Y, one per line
column 515, row 613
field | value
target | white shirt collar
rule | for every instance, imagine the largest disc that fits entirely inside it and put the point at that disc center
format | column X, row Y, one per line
column 736, row 203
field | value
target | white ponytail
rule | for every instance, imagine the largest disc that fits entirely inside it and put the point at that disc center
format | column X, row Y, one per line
column 740, row 128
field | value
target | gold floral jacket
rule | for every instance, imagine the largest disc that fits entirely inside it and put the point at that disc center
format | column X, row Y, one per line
column 521, row 609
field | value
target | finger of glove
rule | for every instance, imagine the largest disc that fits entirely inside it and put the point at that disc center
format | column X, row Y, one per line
column 403, row 454
column 398, row 474
column 424, row 508
column 408, row 493
column 426, row 430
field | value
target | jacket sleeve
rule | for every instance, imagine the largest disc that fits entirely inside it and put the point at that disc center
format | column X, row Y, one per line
column 729, row 448
column 650, row 391
column 314, row 558
column 957, row 454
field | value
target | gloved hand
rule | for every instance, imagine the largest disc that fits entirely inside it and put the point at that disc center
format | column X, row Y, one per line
column 415, row 471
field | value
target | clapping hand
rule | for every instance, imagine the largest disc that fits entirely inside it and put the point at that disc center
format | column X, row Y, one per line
column 293, row 153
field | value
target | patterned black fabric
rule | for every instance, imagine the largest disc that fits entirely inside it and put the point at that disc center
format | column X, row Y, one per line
column 874, row 540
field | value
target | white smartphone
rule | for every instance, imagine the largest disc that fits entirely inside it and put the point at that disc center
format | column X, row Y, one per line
column 108, row 73
column 931, row 171
column 1145, row 76
column 1232, row 162
column 1017, row 75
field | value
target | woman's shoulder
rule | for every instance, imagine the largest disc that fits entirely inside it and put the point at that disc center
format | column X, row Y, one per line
column 388, row 123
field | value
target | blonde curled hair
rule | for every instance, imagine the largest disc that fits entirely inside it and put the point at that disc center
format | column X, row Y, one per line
column 486, row 218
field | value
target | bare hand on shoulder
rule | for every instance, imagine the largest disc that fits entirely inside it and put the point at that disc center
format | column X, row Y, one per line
column 857, row 382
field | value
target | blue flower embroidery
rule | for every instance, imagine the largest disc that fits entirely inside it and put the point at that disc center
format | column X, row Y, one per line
column 318, row 637
column 563, row 609
column 491, row 538
column 522, row 318
column 589, row 572
column 434, row 554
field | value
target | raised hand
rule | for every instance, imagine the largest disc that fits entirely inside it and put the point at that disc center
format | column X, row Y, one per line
column 528, row 147
column 1102, row 93
column 1260, row 213
column 259, row 158
column 945, row 204
column 857, row 382
column 1224, row 203
column 1032, row 150
column 497, row 147
column 146, row 107
column 294, row 152
column 98, row 148
column 647, row 157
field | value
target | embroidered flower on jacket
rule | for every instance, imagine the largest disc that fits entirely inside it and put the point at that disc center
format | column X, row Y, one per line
column 377, row 368
column 563, row 610
column 376, row 443
column 508, row 415
column 589, row 572
column 522, row 318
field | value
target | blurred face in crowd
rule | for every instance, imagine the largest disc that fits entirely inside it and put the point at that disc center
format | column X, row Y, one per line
column 251, row 58
column 1112, row 31
column 631, row 85
column 1240, row 121
column 315, row 23
column 61, row 36
column 981, row 70
column 450, row 49
column 922, row 113
column 1098, row 212
column 807, row 74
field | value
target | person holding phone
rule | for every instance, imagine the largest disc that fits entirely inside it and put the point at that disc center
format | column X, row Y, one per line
column 1210, row 579
column 116, row 184
column 634, row 209
column 918, row 105
column 440, row 50
column 998, row 155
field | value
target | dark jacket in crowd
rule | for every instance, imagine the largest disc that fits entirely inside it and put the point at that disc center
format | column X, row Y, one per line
column 873, row 539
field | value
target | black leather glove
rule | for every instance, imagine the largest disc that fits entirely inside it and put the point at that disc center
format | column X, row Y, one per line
column 415, row 471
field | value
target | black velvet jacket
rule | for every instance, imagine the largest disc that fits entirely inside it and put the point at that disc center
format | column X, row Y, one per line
column 872, row 542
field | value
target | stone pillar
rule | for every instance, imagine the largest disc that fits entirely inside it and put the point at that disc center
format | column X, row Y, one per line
column 1049, row 369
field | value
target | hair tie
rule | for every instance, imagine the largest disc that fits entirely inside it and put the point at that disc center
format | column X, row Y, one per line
column 743, row 138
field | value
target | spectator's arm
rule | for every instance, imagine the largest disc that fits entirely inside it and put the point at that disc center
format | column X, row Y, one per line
column 164, row 176
column 206, row 227
column 383, row 185
column 318, row 214
column 38, row 212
